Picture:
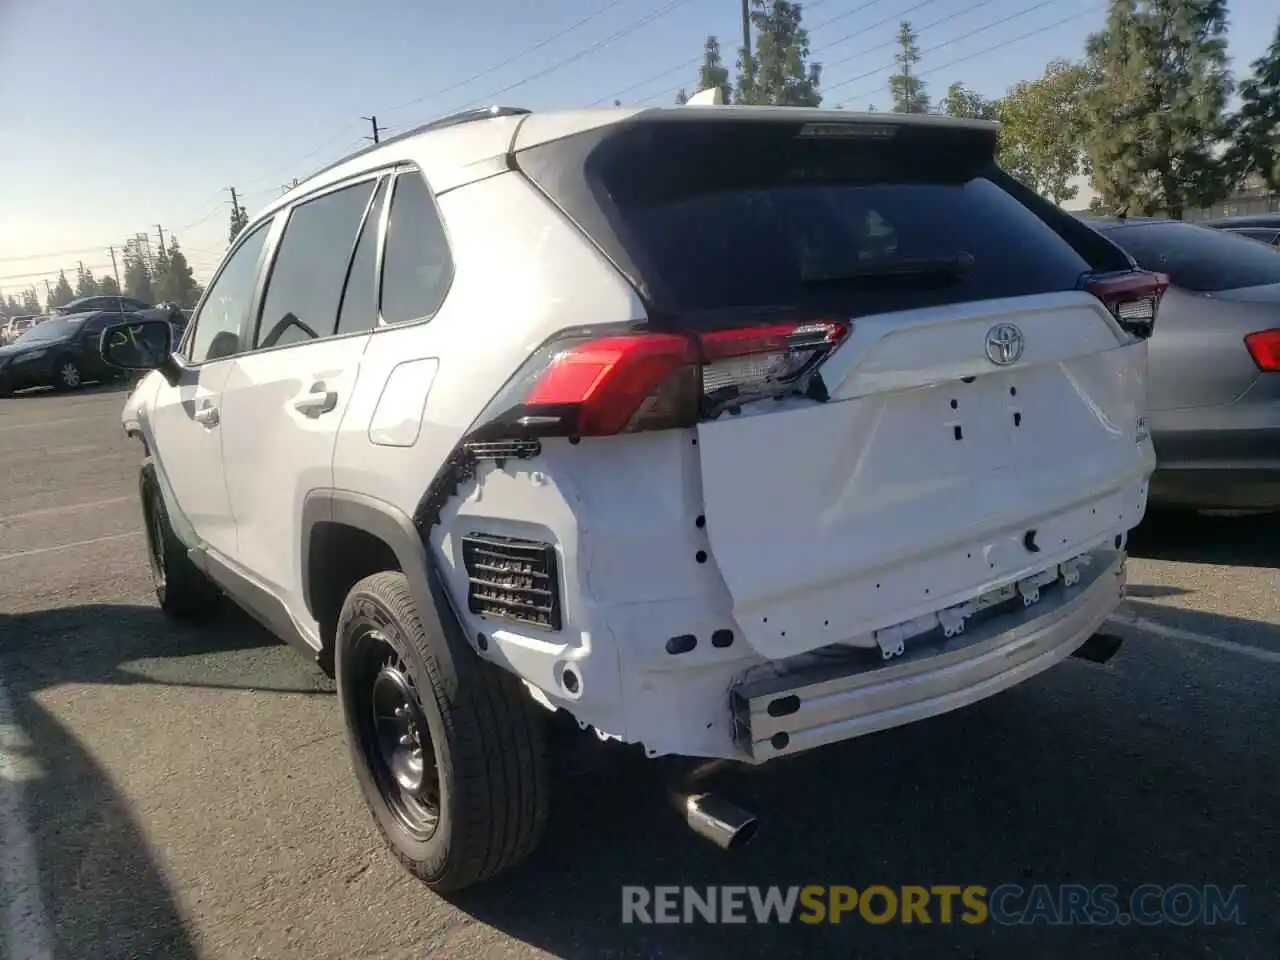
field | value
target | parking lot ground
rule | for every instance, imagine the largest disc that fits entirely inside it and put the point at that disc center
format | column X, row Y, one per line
column 185, row 792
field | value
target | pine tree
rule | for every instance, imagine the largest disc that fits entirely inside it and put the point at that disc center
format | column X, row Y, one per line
column 177, row 283
column 86, row 285
column 1257, row 144
column 1154, row 118
column 713, row 72
column 779, row 72
column 107, row 287
column 137, row 277
column 62, row 292
column 30, row 302
column 905, row 86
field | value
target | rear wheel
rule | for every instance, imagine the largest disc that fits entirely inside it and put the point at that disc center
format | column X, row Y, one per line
column 182, row 589
column 450, row 751
column 66, row 374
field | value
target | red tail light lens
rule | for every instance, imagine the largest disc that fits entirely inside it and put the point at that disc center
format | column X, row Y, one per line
column 656, row 381
column 1264, row 347
column 1133, row 298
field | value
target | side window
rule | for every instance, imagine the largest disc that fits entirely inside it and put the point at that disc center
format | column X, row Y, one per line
column 416, row 268
column 222, row 313
column 305, row 284
column 359, row 302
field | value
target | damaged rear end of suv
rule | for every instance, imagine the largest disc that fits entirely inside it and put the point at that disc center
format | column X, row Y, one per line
column 870, row 454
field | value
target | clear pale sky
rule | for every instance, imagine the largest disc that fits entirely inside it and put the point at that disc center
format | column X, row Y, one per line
column 122, row 115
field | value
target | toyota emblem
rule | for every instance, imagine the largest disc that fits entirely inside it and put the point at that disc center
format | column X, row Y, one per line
column 1004, row 344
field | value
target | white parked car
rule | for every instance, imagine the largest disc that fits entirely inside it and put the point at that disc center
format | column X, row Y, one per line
column 731, row 432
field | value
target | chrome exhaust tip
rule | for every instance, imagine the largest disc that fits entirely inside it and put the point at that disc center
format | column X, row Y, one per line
column 728, row 826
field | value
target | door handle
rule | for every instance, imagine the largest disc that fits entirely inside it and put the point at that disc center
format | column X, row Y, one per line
column 207, row 415
column 318, row 402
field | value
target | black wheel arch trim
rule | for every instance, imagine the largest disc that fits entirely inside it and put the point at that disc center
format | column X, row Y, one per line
column 393, row 527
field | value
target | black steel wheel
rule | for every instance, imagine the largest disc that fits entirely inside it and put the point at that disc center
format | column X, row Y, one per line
column 449, row 751
column 392, row 733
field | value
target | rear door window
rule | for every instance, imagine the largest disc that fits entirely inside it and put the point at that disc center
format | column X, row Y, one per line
column 1198, row 258
column 304, row 287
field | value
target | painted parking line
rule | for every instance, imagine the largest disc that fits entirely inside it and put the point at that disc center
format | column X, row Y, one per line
column 27, row 933
column 67, row 546
column 72, row 508
column 1154, row 629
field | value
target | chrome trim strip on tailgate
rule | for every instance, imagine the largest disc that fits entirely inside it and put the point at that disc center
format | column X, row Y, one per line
column 835, row 704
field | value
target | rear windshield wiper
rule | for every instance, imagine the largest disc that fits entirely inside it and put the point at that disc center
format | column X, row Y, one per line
column 952, row 267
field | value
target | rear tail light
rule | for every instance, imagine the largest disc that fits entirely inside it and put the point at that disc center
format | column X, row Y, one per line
column 600, row 386
column 1264, row 347
column 1132, row 297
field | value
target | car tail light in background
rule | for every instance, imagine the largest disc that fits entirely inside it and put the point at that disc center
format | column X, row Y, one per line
column 600, row 386
column 1132, row 297
column 1264, row 347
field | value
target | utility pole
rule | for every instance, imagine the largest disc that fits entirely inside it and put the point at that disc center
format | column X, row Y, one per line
column 373, row 121
column 49, row 289
column 115, row 269
column 160, row 230
column 746, row 48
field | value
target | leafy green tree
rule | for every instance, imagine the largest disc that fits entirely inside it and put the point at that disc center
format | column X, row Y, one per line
column 86, row 285
column 30, row 302
column 177, row 282
column 1256, row 149
column 1043, row 129
column 137, row 277
column 779, row 73
column 62, row 292
column 1154, row 118
column 107, row 287
column 960, row 101
column 905, row 86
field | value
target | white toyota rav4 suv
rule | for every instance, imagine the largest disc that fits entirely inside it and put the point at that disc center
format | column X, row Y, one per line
column 728, row 432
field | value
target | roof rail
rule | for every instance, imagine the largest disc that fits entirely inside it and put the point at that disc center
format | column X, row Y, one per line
column 452, row 120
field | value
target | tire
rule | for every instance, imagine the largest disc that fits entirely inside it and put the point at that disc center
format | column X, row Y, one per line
column 485, row 809
column 67, row 374
column 182, row 589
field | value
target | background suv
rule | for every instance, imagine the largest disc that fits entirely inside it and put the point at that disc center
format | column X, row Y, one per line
column 725, row 432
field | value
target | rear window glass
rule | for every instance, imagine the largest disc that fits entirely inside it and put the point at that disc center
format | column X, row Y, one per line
column 1198, row 258
column 724, row 215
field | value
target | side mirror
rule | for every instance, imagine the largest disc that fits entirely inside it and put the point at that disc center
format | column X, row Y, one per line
column 140, row 345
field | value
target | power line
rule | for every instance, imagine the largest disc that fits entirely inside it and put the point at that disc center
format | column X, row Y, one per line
column 928, row 26
column 964, row 36
column 1030, row 33
column 585, row 51
column 687, row 64
column 510, row 60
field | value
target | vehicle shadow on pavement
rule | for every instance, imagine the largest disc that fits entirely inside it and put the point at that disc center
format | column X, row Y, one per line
column 104, row 894
column 1187, row 537
column 1157, row 767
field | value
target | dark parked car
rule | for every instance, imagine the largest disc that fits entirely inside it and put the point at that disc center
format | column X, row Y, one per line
column 61, row 352
column 1260, row 226
column 1213, row 378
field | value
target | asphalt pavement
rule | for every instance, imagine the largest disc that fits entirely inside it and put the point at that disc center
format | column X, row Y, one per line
column 172, row 792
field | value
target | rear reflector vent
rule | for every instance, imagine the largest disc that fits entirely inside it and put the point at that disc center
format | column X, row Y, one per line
column 512, row 579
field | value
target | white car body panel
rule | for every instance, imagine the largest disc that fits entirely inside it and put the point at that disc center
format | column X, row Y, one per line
column 188, row 454
column 274, row 453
